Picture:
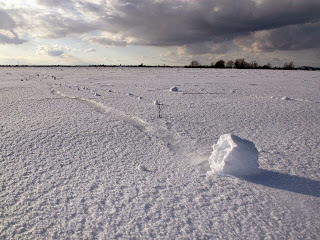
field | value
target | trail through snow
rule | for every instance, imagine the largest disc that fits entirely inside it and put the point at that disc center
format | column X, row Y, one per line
column 180, row 145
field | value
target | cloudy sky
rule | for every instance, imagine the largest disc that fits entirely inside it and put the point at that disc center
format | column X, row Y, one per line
column 171, row 32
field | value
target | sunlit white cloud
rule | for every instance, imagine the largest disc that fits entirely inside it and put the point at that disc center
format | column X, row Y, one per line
column 90, row 50
column 51, row 50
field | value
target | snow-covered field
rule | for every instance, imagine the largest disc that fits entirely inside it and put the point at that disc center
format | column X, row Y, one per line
column 84, row 155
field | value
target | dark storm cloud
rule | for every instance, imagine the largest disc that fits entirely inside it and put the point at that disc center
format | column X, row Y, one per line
column 177, row 23
column 171, row 23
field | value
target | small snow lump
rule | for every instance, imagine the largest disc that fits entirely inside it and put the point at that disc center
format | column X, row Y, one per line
column 234, row 156
column 174, row 89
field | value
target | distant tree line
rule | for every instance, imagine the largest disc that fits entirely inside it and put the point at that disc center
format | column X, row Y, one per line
column 239, row 63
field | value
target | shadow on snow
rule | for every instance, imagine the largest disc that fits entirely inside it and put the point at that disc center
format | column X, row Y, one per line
column 280, row 181
column 285, row 182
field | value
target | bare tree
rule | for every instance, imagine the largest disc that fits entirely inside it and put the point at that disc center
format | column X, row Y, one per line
column 229, row 64
column 288, row 66
column 267, row 66
column 241, row 63
column 254, row 65
column 220, row 64
column 195, row 64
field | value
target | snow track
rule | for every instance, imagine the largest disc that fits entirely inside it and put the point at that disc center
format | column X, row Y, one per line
column 99, row 107
column 180, row 145
column 91, row 103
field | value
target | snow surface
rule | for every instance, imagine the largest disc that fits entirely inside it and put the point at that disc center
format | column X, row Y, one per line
column 235, row 156
column 78, row 166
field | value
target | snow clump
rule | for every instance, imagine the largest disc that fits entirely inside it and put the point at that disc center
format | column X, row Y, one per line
column 96, row 94
column 234, row 156
column 174, row 89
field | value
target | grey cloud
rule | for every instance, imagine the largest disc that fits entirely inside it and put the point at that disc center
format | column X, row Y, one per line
column 10, row 38
column 54, row 3
column 104, row 41
column 203, row 48
column 51, row 50
column 55, row 53
column 7, row 25
column 6, row 22
column 64, row 26
column 296, row 37
column 89, row 6
column 53, row 25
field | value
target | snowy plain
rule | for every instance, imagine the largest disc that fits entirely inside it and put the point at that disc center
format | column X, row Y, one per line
column 84, row 156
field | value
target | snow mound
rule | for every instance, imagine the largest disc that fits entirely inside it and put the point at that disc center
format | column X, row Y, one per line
column 174, row 89
column 233, row 155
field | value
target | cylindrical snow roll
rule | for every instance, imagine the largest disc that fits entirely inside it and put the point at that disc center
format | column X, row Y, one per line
column 233, row 155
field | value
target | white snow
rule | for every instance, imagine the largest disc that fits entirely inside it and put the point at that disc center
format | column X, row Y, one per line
column 77, row 166
column 233, row 155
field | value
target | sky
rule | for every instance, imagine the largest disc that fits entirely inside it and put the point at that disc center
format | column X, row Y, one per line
column 157, row 32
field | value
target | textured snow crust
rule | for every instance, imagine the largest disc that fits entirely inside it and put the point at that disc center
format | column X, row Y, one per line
column 83, row 154
column 233, row 155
